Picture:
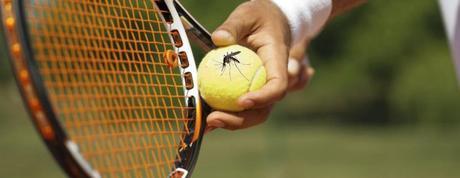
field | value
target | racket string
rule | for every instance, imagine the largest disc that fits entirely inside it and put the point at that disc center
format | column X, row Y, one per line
column 102, row 64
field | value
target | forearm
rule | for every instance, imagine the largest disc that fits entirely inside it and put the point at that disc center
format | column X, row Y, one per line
column 340, row 6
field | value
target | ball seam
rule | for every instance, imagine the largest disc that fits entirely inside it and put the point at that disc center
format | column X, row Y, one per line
column 253, row 77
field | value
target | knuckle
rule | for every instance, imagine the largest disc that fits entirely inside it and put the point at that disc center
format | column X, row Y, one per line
column 282, row 95
column 278, row 40
column 263, row 115
column 245, row 7
column 235, row 125
column 282, row 91
column 273, row 39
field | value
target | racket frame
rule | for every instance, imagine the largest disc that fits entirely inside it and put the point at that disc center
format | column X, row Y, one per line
column 39, row 107
column 188, row 27
column 34, row 95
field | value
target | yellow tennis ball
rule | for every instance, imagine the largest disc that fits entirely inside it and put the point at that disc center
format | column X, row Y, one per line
column 227, row 73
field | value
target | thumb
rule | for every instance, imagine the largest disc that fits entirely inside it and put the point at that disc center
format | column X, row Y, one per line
column 235, row 28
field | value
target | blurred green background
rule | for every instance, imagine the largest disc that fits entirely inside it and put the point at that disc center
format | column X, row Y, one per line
column 384, row 103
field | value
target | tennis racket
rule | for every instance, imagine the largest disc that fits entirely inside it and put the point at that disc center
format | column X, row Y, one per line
column 111, row 85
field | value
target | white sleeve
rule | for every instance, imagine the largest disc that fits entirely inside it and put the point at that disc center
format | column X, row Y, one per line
column 306, row 17
column 451, row 13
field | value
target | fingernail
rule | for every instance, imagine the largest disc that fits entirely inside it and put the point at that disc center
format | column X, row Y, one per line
column 247, row 103
column 293, row 67
column 216, row 124
column 223, row 34
column 224, row 37
column 209, row 129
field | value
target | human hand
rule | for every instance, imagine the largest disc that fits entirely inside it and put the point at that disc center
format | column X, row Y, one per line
column 261, row 26
column 299, row 70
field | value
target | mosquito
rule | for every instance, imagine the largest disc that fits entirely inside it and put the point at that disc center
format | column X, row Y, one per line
column 228, row 60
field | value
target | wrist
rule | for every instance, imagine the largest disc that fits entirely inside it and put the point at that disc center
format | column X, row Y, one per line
column 305, row 17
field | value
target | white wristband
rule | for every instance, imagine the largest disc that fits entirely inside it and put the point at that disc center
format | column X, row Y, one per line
column 306, row 17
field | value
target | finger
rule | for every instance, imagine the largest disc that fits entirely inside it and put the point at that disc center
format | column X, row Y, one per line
column 235, row 121
column 275, row 63
column 293, row 67
column 310, row 71
column 209, row 129
column 236, row 27
column 305, row 79
column 301, row 79
column 296, row 67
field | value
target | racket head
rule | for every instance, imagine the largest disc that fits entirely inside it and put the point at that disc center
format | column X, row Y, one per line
column 61, row 51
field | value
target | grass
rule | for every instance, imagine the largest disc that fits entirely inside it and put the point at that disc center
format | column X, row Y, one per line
column 331, row 152
column 269, row 151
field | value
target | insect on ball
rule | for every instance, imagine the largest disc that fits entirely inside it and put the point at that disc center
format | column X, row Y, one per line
column 227, row 73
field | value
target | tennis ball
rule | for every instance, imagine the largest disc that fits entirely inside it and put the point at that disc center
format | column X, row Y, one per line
column 227, row 73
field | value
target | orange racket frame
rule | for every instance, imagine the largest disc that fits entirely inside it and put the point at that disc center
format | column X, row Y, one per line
column 181, row 26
